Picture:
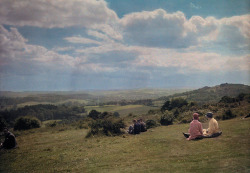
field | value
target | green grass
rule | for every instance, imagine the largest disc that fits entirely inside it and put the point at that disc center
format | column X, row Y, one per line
column 162, row 149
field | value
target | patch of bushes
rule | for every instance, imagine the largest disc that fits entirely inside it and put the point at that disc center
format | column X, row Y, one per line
column 167, row 118
column 174, row 103
column 228, row 115
column 26, row 122
column 108, row 126
column 151, row 124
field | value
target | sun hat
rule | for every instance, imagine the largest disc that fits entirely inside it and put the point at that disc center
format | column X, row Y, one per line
column 195, row 116
column 209, row 115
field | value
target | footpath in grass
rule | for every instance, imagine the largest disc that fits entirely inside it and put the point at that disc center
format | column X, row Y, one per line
column 162, row 149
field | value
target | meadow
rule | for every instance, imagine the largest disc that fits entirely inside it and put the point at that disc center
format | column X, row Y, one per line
column 160, row 149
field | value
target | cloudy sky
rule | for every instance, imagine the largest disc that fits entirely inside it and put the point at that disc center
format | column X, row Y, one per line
column 123, row 44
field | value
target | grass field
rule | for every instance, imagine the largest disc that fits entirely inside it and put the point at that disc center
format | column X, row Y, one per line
column 162, row 149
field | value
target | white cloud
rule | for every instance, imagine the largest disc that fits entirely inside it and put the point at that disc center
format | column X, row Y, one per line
column 82, row 40
column 18, row 57
column 173, row 30
column 192, row 5
column 155, row 28
column 240, row 22
column 62, row 49
column 112, row 30
column 191, row 62
column 98, row 35
column 56, row 13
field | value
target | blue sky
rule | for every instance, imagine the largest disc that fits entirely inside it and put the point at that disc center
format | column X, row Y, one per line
column 123, row 44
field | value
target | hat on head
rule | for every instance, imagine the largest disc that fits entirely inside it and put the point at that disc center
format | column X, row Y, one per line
column 195, row 116
column 209, row 115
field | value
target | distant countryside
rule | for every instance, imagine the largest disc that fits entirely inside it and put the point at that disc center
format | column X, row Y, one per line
column 87, row 131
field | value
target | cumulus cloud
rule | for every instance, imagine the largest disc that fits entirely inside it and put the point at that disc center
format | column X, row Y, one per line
column 138, row 47
column 18, row 57
column 56, row 13
column 155, row 28
column 173, row 30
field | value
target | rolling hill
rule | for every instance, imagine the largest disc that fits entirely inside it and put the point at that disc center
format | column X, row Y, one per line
column 211, row 94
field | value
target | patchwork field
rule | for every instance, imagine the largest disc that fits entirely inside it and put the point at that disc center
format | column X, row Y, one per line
column 162, row 149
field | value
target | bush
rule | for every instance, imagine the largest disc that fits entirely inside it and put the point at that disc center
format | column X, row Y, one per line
column 25, row 123
column 3, row 123
column 94, row 114
column 174, row 103
column 108, row 126
column 227, row 99
column 150, row 124
column 228, row 115
column 167, row 118
column 116, row 114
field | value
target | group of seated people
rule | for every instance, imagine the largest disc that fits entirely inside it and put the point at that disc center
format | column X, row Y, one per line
column 197, row 132
column 137, row 127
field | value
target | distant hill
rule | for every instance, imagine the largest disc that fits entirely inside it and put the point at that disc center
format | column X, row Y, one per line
column 211, row 94
column 9, row 98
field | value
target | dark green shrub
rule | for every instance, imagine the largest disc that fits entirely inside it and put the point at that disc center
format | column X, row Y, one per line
column 174, row 103
column 116, row 114
column 25, row 123
column 150, row 124
column 228, row 115
column 167, row 118
column 227, row 99
column 94, row 114
column 3, row 123
column 108, row 126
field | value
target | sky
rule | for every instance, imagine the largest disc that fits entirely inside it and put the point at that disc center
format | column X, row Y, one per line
column 74, row 45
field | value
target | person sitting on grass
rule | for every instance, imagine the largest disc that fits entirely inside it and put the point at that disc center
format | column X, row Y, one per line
column 137, row 127
column 195, row 130
column 213, row 127
column 10, row 140
column 131, row 127
column 143, row 126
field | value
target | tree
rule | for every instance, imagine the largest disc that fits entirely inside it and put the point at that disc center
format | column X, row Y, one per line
column 166, row 106
column 174, row 103
column 94, row 114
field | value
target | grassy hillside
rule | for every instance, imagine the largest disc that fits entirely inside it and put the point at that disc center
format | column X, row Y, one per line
column 211, row 94
column 162, row 149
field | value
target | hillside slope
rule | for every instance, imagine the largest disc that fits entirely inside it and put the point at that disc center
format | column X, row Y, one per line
column 162, row 149
column 211, row 94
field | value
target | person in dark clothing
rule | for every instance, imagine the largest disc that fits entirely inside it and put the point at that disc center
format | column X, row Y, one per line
column 143, row 126
column 137, row 127
column 10, row 140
